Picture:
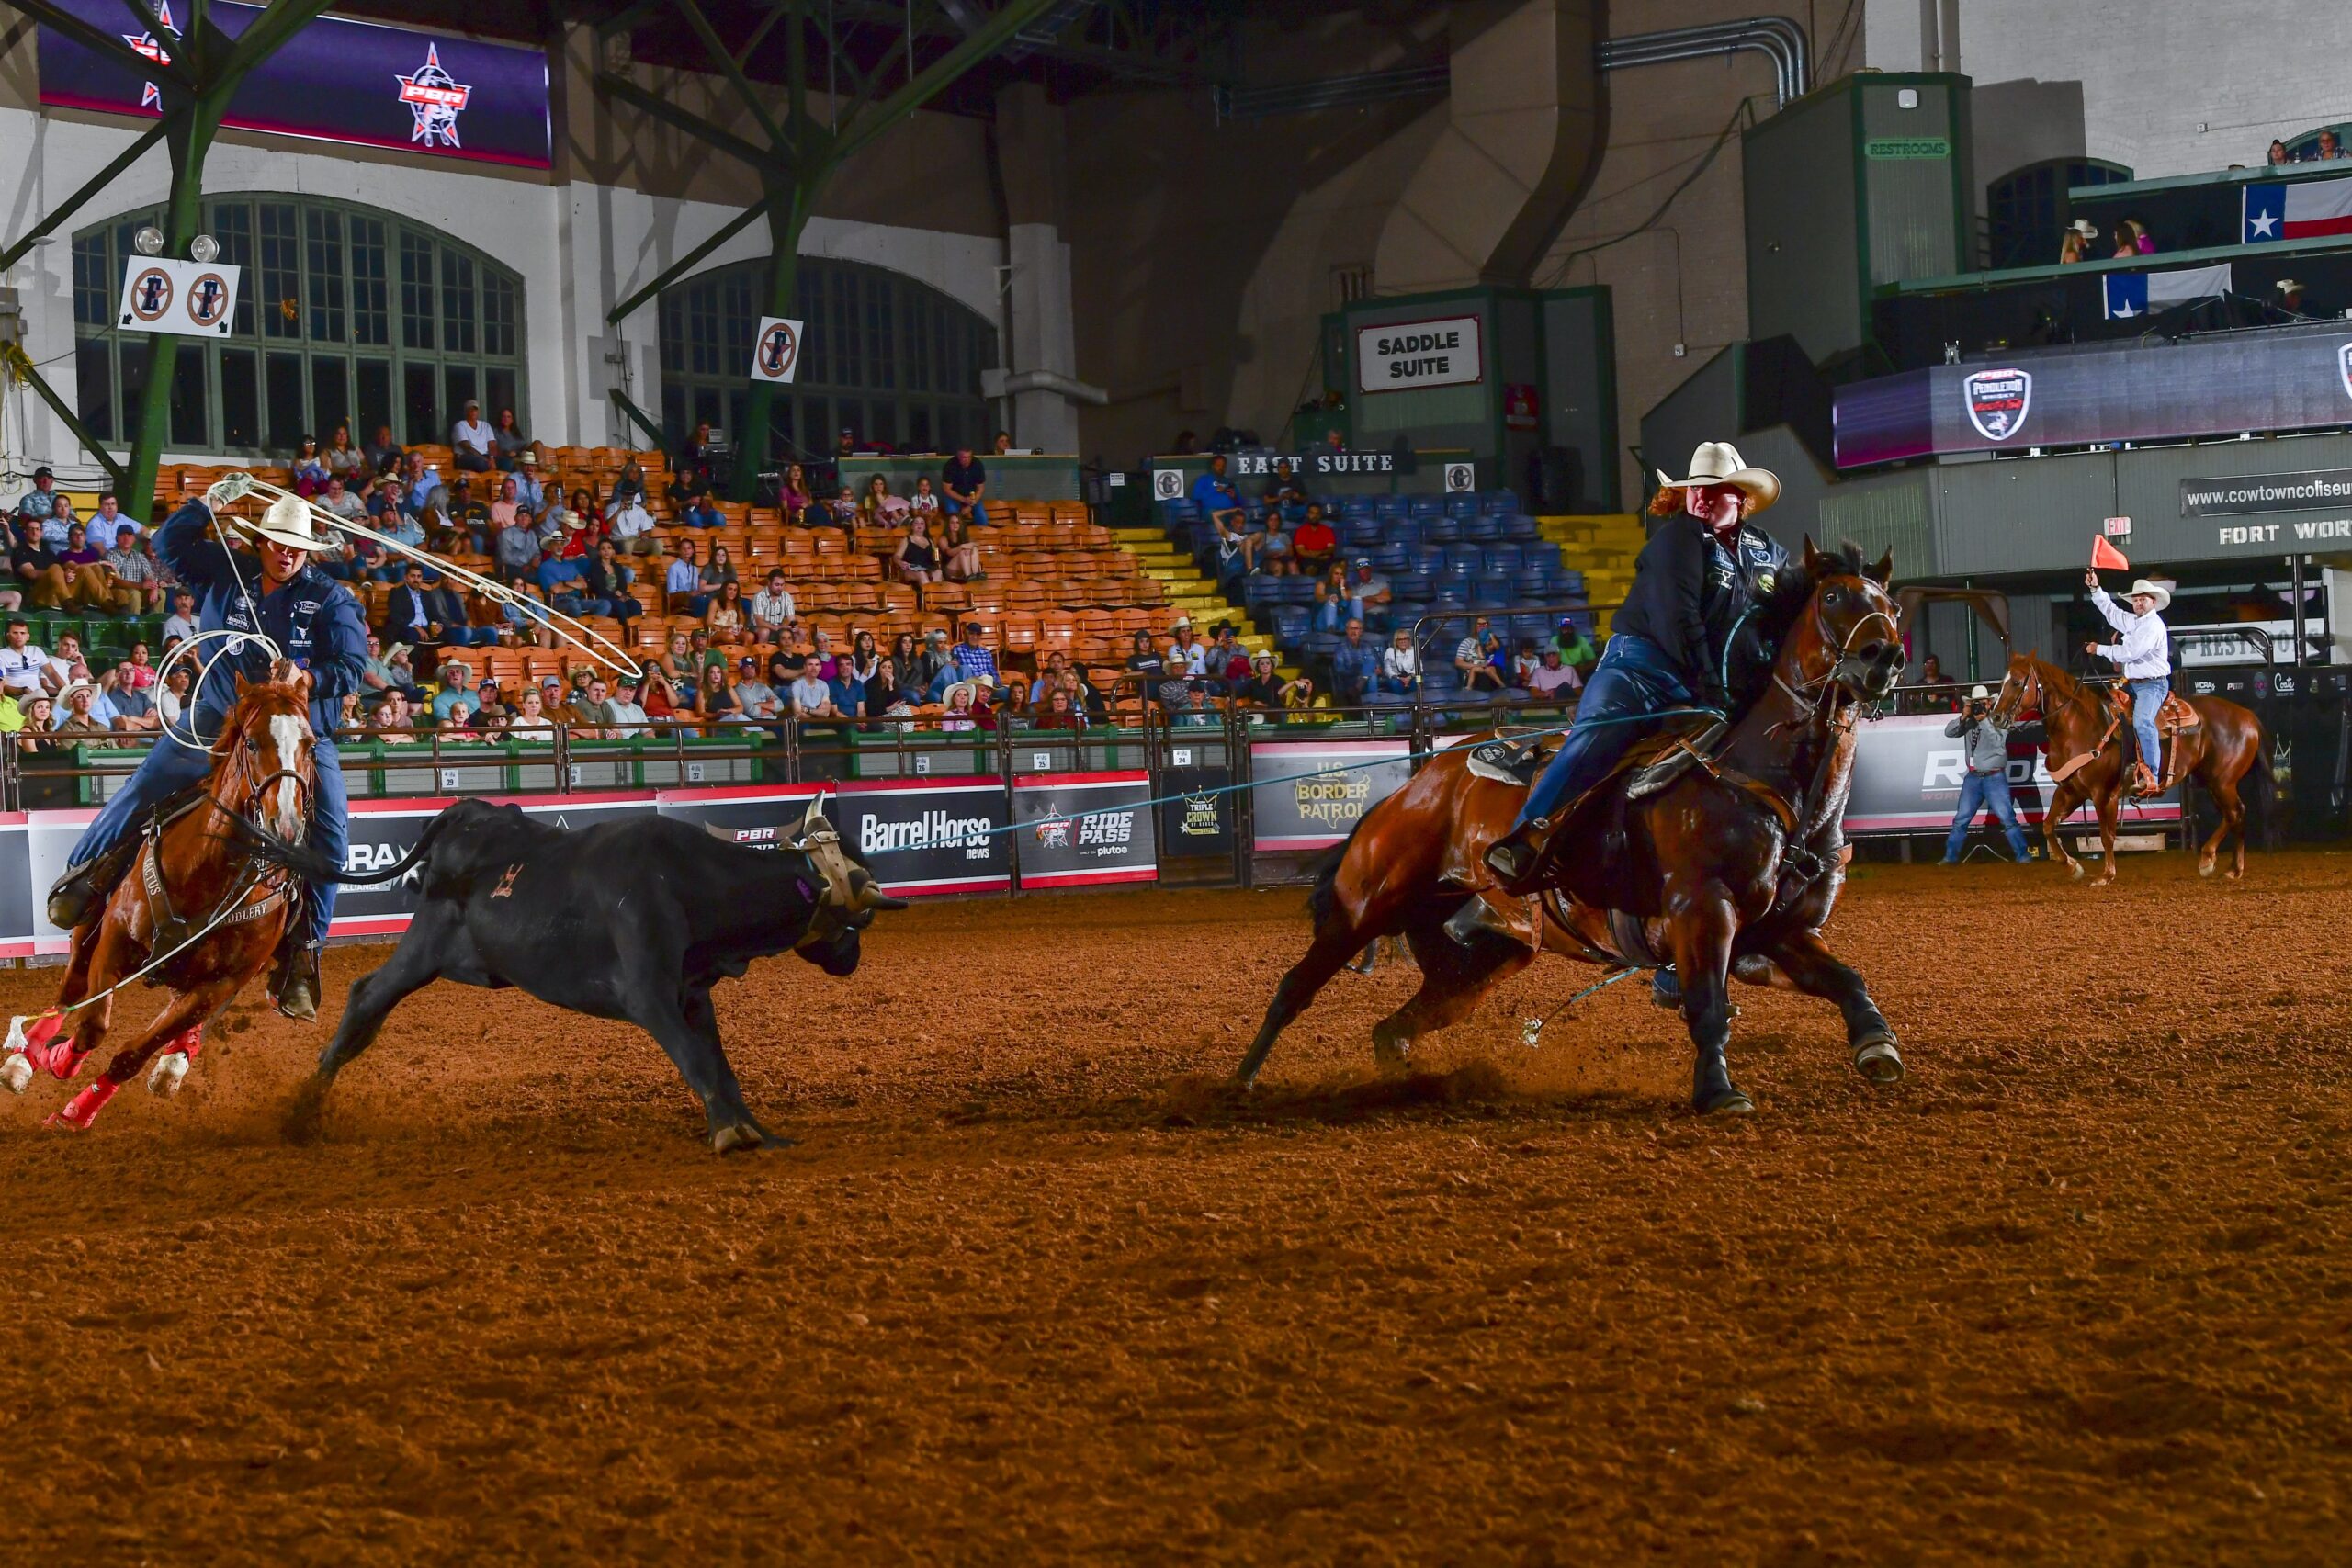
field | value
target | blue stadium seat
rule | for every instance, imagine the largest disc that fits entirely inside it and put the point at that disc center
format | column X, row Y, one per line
column 1531, row 627
column 1439, row 529
column 1413, row 587
column 1318, row 645
column 1453, row 594
column 1428, row 557
column 1518, row 525
column 1502, row 500
column 1400, row 530
column 1462, row 506
column 1570, row 581
column 1427, row 505
column 1292, row 623
column 1504, row 559
column 1361, row 531
column 1481, row 529
column 1392, row 506
column 1388, row 560
column 1464, row 559
column 1257, row 592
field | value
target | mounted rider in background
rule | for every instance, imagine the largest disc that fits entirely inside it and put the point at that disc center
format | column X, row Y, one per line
column 2144, row 657
column 316, row 623
column 1703, row 568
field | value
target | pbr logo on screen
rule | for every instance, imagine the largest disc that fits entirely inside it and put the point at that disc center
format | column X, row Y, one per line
column 2344, row 366
column 1997, row 400
column 435, row 99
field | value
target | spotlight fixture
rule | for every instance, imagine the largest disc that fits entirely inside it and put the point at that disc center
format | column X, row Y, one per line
column 149, row 241
column 204, row 247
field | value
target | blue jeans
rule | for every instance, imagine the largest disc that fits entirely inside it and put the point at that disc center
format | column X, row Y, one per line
column 469, row 636
column 1333, row 614
column 172, row 766
column 1987, row 792
column 1634, row 679
column 2147, row 696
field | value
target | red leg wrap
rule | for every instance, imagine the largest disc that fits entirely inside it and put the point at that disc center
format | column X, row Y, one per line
column 83, row 1108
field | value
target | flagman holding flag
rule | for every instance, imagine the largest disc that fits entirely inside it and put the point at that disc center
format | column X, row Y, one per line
column 2144, row 656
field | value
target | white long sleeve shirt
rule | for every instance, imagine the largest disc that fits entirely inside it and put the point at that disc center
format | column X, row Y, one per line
column 2145, row 651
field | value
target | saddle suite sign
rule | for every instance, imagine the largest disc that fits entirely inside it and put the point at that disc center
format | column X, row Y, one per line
column 1402, row 355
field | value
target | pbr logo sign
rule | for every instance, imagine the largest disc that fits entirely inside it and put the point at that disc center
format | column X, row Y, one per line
column 775, row 350
column 435, row 100
column 1997, row 401
column 2344, row 366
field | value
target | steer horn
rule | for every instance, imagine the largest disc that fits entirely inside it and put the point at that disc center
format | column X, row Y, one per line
column 867, row 895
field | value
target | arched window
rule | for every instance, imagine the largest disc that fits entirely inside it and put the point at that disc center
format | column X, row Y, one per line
column 882, row 356
column 343, row 313
column 2027, row 212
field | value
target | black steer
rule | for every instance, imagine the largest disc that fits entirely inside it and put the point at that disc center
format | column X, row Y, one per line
column 634, row 919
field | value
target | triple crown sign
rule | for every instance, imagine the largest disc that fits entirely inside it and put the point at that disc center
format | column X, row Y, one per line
column 776, row 351
column 194, row 299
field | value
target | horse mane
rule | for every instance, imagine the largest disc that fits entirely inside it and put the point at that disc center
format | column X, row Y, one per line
column 2054, row 680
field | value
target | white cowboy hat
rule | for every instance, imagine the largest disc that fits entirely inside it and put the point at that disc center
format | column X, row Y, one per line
column 2156, row 591
column 1977, row 692
column 72, row 687
column 1719, row 463
column 2086, row 228
column 2288, row 286
column 971, row 694
column 289, row 522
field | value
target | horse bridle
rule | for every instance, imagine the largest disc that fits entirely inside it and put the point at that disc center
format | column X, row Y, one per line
column 304, row 788
column 1844, row 670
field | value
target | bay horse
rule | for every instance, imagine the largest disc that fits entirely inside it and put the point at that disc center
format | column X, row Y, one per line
column 211, row 893
column 2220, row 751
column 1731, row 869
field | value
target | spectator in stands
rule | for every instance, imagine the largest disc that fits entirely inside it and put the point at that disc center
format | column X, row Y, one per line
column 471, row 440
column 864, row 658
column 344, row 461
column 963, row 483
column 1272, row 552
column 1265, row 689
column 1284, row 493
column 1220, row 505
column 723, row 617
column 924, row 503
column 2326, row 150
column 465, row 513
column 23, row 662
column 959, row 552
column 1188, row 443
column 515, row 550
column 2277, row 156
column 455, row 695
column 138, row 590
column 1401, row 665
column 758, row 705
column 794, row 497
column 134, row 705
column 2075, row 243
column 338, row 499
column 1576, row 647
column 1554, row 675
column 1315, row 542
column 414, row 613
column 682, row 587
column 37, row 505
column 391, row 716
column 770, row 611
column 507, row 441
column 79, row 699
column 701, row 513
column 719, row 569
column 33, row 565
column 1173, row 690
column 2292, row 301
column 974, row 660
column 964, row 708
column 1474, row 656
column 139, row 670
column 1058, row 711
column 621, row 715
column 382, row 676
column 384, row 454
column 877, row 508
column 811, row 695
column 630, row 487
column 309, row 468
column 1938, row 693
column 839, row 513
column 172, row 693
column 604, row 583
column 530, row 491
column 1355, row 665
column 531, row 721
column 180, row 625
column 1143, row 660
column 1228, row 662
column 631, row 528
column 1336, row 601
column 917, row 558
column 935, row 657
column 1003, row 444
column 82, row 571
column 108, row 518
column 1187, row 648
column 417, row 483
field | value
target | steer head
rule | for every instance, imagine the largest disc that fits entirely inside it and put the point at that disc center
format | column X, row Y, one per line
column 851, row 896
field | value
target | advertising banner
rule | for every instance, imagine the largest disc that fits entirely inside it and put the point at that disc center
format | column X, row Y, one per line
column 2282, row 379
column 363, row 84
column 1323, row 463
column 1079, row 830
column 1400, row 357
column 1907, row 776
column 1309, row 795
column 922, row 837
column 775, row 350
column 1199, row 823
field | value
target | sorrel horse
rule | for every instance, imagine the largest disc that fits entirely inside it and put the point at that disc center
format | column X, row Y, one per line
column 210, row 895
column 1731, row 869
column 2218, row 751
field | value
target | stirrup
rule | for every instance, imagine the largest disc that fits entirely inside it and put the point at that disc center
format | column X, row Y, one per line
column 84, row 886
column 1517, row 855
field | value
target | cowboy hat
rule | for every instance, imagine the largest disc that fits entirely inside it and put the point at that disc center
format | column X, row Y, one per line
column 2086, row 228
column 72, row 687
column 971, row 694
column 2156, row 591
column 1978, row 692
column 289, row 522
column 1719, row 463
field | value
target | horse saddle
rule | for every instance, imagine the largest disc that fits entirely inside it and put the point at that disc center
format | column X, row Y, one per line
column 1511, row 760
column 1658, row 763
column 2176, row 714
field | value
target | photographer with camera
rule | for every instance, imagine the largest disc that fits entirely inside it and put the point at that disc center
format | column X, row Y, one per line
column 1985, row 783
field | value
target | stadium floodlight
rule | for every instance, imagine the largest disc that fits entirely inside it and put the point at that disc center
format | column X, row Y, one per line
column 148, row 242
column 204, row 247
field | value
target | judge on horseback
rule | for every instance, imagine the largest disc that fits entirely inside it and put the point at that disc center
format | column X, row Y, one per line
column 2144, row 656
column 276, row 594
column 1701, row 573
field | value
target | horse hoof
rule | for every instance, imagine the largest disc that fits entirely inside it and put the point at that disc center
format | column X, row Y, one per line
column 735, row 1135
column 1390, row 1056
column 16, row 1074
column 166, row 1076
column 1729, row 1101
column 81, row 1110
column 1877, row 1060
column 2205, row 867
column 2075, row 866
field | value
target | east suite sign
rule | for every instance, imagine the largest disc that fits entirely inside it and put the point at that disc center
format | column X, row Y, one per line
column 1401, row 355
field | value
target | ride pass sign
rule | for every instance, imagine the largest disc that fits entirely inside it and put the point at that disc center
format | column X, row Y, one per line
column 363, row 84
column 1401, row 355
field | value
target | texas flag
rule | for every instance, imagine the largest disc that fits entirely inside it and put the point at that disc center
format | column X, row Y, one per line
column 2133, row 294
column 2310, row 209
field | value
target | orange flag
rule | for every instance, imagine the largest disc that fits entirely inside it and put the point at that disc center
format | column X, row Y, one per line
column 2106, row 557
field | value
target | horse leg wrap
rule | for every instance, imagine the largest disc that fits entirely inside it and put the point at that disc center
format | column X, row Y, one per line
column 83, row 1108
column 43, row 1048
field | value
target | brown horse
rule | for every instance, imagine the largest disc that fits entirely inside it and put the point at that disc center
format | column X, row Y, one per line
column 208, row 894
column 1730, row 869
column 2218, row 751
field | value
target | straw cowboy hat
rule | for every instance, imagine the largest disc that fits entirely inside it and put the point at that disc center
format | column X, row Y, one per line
column 1719, row 463
column 1979, row 693
column 289, row 522
column 2086, row 228
column 2156, row 591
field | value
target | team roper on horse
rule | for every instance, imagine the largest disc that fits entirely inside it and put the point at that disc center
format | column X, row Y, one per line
column 315, row 624
column 1721, row 855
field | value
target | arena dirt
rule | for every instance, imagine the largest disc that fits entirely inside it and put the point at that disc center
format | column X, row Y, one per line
column 1032, row 1287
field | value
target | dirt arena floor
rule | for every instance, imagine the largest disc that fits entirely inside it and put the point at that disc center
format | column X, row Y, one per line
column 1032, row 1289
